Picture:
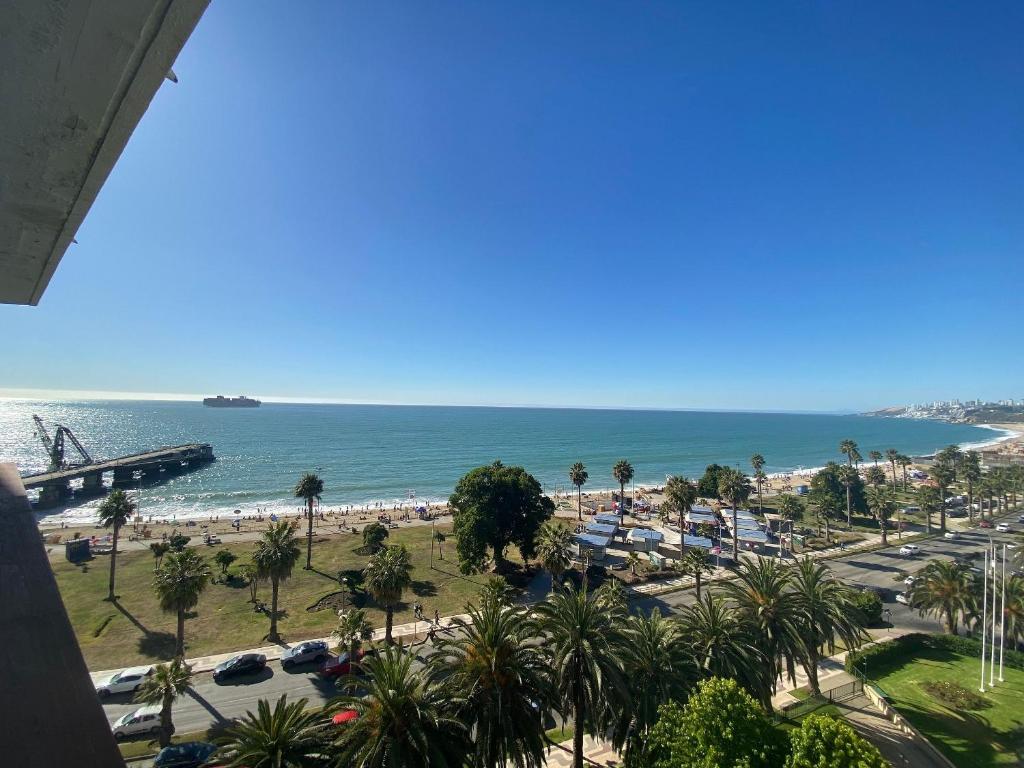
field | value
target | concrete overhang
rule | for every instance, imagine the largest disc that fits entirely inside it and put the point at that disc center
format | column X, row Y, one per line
column 76, row 77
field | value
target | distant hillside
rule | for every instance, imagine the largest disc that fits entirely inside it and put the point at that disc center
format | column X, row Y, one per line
column 999, row 414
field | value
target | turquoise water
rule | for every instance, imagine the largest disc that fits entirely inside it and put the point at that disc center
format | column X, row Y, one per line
column 371, row 453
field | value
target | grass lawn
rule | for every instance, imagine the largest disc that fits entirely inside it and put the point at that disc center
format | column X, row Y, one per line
column 560, row 735
column 135, row 629
column 144, row 747
column 990, row 736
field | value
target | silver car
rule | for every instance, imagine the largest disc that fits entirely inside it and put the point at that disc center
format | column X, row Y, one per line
column 312, row 651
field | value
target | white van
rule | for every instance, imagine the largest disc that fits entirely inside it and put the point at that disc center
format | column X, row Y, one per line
column 142, row 720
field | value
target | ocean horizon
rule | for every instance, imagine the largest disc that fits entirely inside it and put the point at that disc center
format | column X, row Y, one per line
column 388, row 453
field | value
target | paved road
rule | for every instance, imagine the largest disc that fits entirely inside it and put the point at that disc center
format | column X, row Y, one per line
column 211, row 702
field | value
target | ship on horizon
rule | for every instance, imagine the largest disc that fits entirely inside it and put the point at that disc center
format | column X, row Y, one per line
column 231, row 402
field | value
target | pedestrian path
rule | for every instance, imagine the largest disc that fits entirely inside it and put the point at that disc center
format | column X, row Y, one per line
column 896, row 746
column 595, row 753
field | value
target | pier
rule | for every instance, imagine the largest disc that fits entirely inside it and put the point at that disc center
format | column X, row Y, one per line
column 55, row 485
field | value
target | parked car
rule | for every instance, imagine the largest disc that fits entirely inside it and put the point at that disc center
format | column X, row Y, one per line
column 126, row 681
column 190, row 754
column 911, row 510
column 314, row 650
column 243, row 664
column 903, row 598
column 985, row 524
column 142, row 720
column 952, row 535
column 1003, row 527
column 337, row 667
column 909, row 550
column 211, row 539
column 909, row 581
column 1020, row 518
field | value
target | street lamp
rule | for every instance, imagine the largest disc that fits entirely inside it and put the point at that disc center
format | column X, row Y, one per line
column 887, row 613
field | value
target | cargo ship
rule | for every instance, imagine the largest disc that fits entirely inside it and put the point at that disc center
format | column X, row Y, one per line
column 231, row 402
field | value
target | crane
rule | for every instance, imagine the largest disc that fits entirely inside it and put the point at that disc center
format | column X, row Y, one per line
column 55, row 447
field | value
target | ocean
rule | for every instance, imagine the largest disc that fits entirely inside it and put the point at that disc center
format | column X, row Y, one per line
column 370, row 453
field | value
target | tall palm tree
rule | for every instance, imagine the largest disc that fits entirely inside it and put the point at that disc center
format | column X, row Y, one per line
column 275, row 556
column 402, row 720
column 734, row 488
column 288, row 736
column 971, row 471
column 848, row 476
column 680, row 495
column 554, row 550
column 623, row 473
column 163, row 686
column 353, row 630
column 584, row 643
column 944, row 589
column 848, row 447
column 387, row 575
column 113, row 512
column 310, row 487
column 1015, row 609
column 904, row 461
column 497, row 590
column 942, row 474
column 660, row 668
column 875, row 456
column 825, row 614
column 760, row 593
column 578, row 476
column 791, row 509
column 724, row 645
column 757, row 463
column 696, row 563
column 159, row 549
column 892, row 456
column 499, row 676
column 882, row 505
column 179, row 582
column 929, row 499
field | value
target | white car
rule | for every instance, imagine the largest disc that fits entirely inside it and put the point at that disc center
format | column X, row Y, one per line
column 142, row 720
column 1003, row 527
column 910, row 550
column 953, row 535
column 902, row 598
column 125, row 681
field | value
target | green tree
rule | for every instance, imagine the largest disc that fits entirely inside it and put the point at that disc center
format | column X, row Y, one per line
column 882, row 506
column 163, row 686
column 497, row 590
column 633, row 562
column 178, row 541
column 352, row 631
column 252, row 579
column 757, row 463
column 696, row 563
column 497, row 673
column 893, row 456
column 723, row 644
column 822, row 740
column 875, row 476
column 848, row 476
column 114, row 511
column 494, row 507
column 440, row 538
column 388, row 575
column 868, row 606
column 707, row 486
column 944, row 589
column 623, row 473
column 832, row 480
column 680, row 495
column 825, row 614
column 943, row 475
column 224, row 558
column 849, row 448
column 930, row 501
column 310, row 487
column 875, row 456
column 374, row 536
column 179, row 582
column 584, row 643
column 905, row 461
column 721, row 726
column 554, row 550
column 734, row 488
column 289, row 736
column 402, row 719
column 159, row 549
column 578, row 476
column 1014, row 611
column 971, row 471
column 274, row 557
column 791, row 509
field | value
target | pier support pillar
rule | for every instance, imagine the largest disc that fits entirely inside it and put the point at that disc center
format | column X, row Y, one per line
column 124, row 476
column 93, row 483
column 53, row 494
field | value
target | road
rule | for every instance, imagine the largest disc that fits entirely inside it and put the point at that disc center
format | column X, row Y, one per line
column 210, row 702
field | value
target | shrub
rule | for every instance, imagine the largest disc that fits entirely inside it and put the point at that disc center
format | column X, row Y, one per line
column 178, row 541
column 905, row 648
column 869, row 605
column 373, row 537
column 954, row 696
column 822, row 740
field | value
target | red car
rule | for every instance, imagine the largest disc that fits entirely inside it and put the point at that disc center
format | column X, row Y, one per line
column 340, row 666
column 985, row 524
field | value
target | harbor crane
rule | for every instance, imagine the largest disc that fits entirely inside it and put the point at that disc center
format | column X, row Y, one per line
column 55, row 448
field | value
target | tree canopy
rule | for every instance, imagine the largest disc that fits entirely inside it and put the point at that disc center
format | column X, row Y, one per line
column 823, row 740
column 829, row 490
column 707, row 486
column 496, row 506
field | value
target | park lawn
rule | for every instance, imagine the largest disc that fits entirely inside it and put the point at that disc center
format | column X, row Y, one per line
column 993, row 736
column 135, row 630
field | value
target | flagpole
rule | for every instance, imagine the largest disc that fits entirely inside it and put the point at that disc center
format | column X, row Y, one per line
column 1002, row 617
column 992, row 645
column 984, row 618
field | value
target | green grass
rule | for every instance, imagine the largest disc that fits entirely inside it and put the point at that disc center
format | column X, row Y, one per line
column 146, row 747
column 560, row 735
column 136, row 630
column 993, row 736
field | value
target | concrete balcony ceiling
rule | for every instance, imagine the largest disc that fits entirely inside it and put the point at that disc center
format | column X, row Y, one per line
column 76, row 77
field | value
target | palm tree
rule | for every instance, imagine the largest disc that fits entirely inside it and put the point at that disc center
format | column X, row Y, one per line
column 760, row 593
column 554, row 550
column 734, row 488
column 274, row 557
column 1015, row 609
column 584, row 643
column 179, row 582
column 352, row 631
column 310, row 487
column 632, row 562
column 402, row 719
column 578, row 476
column 287, row 737
column 882, row 505
column 930, row 501
column 904, row 461
column 388, row 574
column 944, row 589
column 875, row 476
column 892, row 455
column 848, row 447
column 163, row 686
column 113, row 512
column 942, row 474
column 224, row 558
column 680, row 494
column 791, row 508
column 661, row 669
column 497, row 673
column 825, row 613
column 847, row 476
column 250, row 573
column 497, row 590
column 971, row 471
column 724, row 645
column 875, row 456
column 623, row 473
column 696, row 563
column 757, row 463
column 159, row 549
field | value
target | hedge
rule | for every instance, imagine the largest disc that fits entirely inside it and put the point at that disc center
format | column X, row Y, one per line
column 906, row 647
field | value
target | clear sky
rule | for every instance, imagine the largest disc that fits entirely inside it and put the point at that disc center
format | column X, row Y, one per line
column 716, row 205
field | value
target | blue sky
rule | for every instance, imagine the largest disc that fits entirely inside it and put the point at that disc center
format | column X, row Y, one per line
column 715, row 205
